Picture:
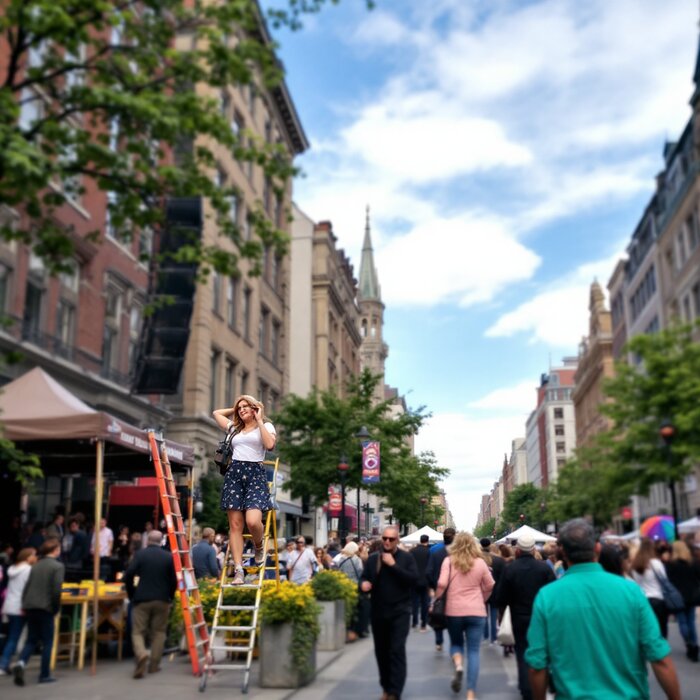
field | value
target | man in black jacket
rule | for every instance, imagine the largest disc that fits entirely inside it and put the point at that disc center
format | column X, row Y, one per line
column 151, row 601
column 390, row 576
column 519, row 584
column 421, row 553
column 41, row 601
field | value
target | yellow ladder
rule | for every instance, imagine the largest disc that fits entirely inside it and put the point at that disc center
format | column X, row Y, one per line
column 235, row 640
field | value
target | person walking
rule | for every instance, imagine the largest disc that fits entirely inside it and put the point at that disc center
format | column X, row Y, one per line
column 496, row 566
column 41, row 601
column 421, row 553
column 519, row 584
column 246, row 495
column 301, row 562
column 685, row 576
column 390, row 575
column 351, row 565
column 204, row 560
column 18, row 575
column 647, row 572
column 104, row 537
column 150, row 599
column 468, row 581
column 594, row 631
column 432, row 571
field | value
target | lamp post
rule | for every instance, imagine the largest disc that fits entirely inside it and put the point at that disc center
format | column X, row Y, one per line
column 342, row 471
column 361, row 435
column 667, row 432
column 423, row 501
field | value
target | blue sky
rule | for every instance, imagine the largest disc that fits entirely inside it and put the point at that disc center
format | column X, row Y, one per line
column 507, row 150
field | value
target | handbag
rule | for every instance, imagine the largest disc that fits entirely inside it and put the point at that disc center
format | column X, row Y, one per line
column 505, row 630
column 437, row 618
column 673, row 600
column 224, row 453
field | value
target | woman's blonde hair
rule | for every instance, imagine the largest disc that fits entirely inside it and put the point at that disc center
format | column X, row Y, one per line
column 463, row 551
column 237, row 422
column 681, row 551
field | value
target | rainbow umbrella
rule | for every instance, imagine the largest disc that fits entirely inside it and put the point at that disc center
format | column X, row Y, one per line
column 658, row 527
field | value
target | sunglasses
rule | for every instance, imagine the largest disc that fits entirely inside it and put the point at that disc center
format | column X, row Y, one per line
column 389, row 539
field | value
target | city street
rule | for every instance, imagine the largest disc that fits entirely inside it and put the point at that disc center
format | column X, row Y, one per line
column 347, row 675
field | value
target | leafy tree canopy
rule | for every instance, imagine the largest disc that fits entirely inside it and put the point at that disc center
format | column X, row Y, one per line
column 526, row 500
column 316, row 430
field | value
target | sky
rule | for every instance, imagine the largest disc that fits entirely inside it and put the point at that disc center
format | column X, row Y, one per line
column 506, row 150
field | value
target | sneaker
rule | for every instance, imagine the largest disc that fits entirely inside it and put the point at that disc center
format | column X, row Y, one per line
column 456, row 684
column 140, row 670
column 48, row 679
column 4, row 672
column 423, row 629
column 239, row 577
column 259, row 554
column 438, row 647
column 18, row 672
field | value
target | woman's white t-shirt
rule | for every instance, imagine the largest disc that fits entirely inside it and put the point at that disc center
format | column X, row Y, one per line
column 649, row 581
column 248, row 447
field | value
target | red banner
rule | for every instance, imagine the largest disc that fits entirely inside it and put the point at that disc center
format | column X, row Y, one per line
column 370, row 462
column 335, row 500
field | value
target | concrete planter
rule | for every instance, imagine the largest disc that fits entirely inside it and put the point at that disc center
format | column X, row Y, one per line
column 277, row 669
column 332, row 622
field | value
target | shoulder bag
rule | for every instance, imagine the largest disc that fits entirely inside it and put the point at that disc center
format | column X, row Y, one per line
column 505, row 630
column 437, row 618
column 673, row 600
column 224, row 453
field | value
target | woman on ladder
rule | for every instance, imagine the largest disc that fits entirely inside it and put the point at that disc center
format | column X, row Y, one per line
column 245, row 495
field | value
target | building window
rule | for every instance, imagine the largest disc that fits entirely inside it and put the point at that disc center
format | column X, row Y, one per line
column 230, row 382
column 691, row 225
column 273, row 402
column 559, row 430
column 135, row 316
column 65, row 324
column 231, row 302
column 561, row 447
column 110, row 337
column 561, row 463
column 4, row 287
column 252, row 99
column 262, row 391
column 145, row 244
column 234, row 208
column 262, row 335
column 215, row 365
column 680, row 247
column 246, row 313
column 558, row 413
column 31, row 323
column 687, row 313
column 696, row 298
column 275, row 267
column 244, row 382
column 225, row 104
column 275, row 342
column 216, row 292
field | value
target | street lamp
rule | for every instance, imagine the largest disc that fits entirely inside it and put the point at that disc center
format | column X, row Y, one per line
column 361, row 435
column 667, row 431
column 423, row 501
column 342, row 471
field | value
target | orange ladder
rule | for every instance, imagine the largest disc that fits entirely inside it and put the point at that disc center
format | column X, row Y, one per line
column 192, row 612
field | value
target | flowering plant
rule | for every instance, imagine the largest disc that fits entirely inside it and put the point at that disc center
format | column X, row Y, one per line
column 335, row 585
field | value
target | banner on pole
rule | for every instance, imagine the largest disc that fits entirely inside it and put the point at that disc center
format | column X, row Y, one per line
column 370, row 462
column 335, row 500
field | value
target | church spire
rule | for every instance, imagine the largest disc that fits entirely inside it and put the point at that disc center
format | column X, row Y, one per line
column 369, row 283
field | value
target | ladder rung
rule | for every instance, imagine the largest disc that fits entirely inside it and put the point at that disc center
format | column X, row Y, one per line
column 234, row 628
column 168, row 495
column 199, row 624
column 225, row 667
column 201, row 642
column 241, row 649
column 179, row 532
column 249, row 586
column 236, row 607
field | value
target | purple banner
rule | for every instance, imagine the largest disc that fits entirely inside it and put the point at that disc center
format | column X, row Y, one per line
column 370, row 462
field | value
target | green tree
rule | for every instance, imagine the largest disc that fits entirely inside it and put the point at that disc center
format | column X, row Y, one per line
column 211, row 484
column 485, row 529
column 526, row 500
column 316, row 430
column 663, row 385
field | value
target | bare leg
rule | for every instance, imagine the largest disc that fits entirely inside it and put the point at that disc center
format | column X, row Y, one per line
column 253, row 519
column 235, row 536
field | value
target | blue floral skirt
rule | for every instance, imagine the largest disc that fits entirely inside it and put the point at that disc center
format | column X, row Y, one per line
column 245, row 487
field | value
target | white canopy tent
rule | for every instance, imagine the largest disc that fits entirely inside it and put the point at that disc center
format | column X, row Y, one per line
column 414, row 538
column 539, row 537
column 689, row 526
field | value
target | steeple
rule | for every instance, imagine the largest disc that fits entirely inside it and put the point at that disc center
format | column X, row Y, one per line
column 369, row 289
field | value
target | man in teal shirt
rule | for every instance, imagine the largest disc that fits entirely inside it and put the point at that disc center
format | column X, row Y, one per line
column 594, row 631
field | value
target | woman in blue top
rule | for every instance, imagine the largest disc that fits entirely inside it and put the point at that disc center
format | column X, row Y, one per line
column 246, row 495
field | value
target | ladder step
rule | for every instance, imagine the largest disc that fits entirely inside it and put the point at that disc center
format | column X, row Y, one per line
column 201, row 642
column 241, row 649
column 168, row 495
column 234, row 628
column 198, row 624
column 244, row 586
column 225, row 667
column 236, row 607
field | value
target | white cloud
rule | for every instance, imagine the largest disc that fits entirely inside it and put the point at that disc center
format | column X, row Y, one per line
column 517, row 398
column 472, row 447
column 463, row 260
column 558, row 316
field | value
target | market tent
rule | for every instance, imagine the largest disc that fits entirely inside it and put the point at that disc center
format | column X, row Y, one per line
column 36, row 408
column 414, row 537
column 539, row 537
column 689, row 526
column 44, row 417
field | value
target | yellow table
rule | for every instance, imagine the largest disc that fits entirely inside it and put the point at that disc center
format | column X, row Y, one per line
column 110, row 611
